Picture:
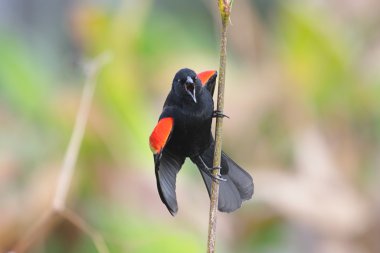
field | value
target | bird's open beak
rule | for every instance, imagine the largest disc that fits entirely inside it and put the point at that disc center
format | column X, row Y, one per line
column 190, row 88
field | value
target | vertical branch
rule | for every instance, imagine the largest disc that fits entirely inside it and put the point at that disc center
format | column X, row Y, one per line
column 58, row 209
column 225, row 10
column 72, row 151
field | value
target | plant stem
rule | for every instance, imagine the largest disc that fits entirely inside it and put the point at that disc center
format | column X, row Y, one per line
column 58, row 208
column 225, row 9
column 72, row 151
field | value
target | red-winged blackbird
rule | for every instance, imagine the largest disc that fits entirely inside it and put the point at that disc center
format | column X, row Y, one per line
column 184, row 130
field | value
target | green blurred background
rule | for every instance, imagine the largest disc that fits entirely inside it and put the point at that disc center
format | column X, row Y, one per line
column 302, row 91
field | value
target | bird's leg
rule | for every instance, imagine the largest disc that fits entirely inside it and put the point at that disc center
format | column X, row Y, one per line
column 219, row 114
column 209, row 171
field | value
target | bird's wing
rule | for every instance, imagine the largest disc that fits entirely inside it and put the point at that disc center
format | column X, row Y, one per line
column 208, row 80
column 166, row 164
column 166, row 170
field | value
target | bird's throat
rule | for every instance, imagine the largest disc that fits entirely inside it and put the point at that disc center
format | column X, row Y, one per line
column 190, row 89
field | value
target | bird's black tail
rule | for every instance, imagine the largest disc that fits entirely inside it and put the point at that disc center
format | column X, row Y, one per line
column 237, row 188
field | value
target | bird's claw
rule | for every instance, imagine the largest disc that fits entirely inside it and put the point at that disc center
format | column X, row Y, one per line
column 215, row 168
column 219, row 114
column 217, row 177
column 209, row 171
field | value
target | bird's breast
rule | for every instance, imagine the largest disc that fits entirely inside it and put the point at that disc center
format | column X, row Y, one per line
column 191, row 135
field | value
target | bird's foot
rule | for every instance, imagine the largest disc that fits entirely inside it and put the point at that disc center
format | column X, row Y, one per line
column 217, row 177
column 219, row 114
column 209, row 171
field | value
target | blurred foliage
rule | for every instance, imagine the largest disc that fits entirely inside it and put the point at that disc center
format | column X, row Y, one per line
column 293, row 66
column 24, row 81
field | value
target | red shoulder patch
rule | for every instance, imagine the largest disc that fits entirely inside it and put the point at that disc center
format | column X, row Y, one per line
column 160, row 134
column 205, row 76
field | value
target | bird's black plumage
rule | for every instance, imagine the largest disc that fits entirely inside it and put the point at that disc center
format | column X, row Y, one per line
column 191, row 107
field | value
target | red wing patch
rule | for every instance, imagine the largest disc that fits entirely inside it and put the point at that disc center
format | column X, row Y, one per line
column 205, row 76
column 160, row 134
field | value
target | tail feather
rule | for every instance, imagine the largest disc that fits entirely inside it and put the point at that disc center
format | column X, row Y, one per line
column 229, row 197
column 237, row 188
column 242, row 179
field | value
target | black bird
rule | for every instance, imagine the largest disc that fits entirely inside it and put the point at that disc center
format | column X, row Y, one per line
column 184, row 130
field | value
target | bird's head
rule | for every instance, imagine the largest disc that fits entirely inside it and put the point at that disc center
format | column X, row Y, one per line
column 187, row 85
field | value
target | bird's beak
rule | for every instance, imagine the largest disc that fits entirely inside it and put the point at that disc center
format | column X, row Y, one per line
column 190, row 88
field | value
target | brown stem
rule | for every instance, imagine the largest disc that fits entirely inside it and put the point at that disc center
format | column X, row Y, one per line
column 72, row 151
column 225, row 10
column 82, row 225
column 58, row 209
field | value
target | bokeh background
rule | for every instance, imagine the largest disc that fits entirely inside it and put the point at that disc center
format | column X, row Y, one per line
column 302, row 91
